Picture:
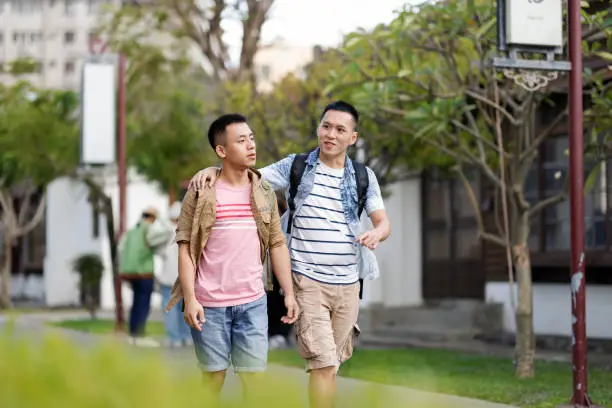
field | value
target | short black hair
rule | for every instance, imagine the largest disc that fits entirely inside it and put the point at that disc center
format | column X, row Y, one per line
column 216, row 131
column 343, row 106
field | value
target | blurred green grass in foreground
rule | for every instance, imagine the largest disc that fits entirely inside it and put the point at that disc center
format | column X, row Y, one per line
column 52, row 371
column 475, row 376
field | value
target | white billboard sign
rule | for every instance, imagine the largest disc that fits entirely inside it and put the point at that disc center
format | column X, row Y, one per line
column 534, row 22
column 98, row 112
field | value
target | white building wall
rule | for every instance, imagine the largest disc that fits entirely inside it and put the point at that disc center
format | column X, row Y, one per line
column 69, row 232
column 552, row 311
column 400, row 257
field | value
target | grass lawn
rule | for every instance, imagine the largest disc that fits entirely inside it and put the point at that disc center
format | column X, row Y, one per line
column 480, row 377
column 104, row 326
column 474, row 376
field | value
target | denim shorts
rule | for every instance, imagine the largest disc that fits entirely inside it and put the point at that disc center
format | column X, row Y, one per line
column 239, row 333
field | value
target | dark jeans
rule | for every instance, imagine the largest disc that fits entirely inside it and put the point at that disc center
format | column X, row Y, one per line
column 141, row 305
column 276, row 310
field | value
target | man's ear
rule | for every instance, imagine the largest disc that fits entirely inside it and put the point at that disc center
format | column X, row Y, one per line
column 220, row 150
column 354, row 138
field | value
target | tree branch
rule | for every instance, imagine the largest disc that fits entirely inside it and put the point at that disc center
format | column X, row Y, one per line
column 477, row 213
column 24, row 207
column 484, row 99
column 36, row 218
column 552, row 200
column 543, row 135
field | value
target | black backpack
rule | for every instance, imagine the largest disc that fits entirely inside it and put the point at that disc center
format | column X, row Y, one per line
column 295, row 177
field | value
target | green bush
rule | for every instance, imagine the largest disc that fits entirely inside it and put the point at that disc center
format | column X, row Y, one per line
column 90, row 268
column 54, row 372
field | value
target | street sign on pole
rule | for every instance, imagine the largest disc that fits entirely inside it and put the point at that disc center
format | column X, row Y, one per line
column 112, row 149
column 98, row 112
column 536, row 27
column 530, row 26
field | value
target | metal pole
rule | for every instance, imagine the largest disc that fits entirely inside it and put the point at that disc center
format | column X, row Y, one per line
column 121, row 170
column 579, row 351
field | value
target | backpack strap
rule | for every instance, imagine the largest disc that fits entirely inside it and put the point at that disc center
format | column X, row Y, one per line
column 363, row 182
column 295, row 176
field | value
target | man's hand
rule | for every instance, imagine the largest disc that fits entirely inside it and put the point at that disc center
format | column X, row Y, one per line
column 370, row 239
column 203, row 179
column 293, row 309
column 194, row 314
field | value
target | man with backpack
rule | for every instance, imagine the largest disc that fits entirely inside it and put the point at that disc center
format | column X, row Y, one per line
column 137, row 250
column 330, row 255
column 225, row 235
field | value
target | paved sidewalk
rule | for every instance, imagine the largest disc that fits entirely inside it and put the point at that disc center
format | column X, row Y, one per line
column 33, row 325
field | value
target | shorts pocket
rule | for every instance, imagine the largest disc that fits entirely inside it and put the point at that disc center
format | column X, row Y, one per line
column 349, row 345
column 305, row 338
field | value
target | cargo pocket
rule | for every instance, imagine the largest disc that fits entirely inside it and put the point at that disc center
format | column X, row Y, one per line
column 349, row 345
column 304, row 338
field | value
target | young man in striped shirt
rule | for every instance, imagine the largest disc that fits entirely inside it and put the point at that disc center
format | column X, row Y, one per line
column 329, row 252
column 223, row 236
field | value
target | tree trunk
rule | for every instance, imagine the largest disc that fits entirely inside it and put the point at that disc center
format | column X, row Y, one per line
column 525, row 337
column 5, row 278
column 90, row 301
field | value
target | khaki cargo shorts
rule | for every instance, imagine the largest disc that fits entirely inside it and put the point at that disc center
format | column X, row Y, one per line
column 327, row 323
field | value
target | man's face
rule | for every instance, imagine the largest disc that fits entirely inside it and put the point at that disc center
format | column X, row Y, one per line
column 239, row 146
column 336, row 133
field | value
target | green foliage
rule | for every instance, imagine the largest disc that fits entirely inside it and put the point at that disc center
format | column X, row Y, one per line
column 23, row 66
column 90, row 268
column 167, row 134
column 38, row 134
column 54, row 372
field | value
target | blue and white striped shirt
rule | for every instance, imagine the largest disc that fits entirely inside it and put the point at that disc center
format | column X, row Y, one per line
column 322, row 246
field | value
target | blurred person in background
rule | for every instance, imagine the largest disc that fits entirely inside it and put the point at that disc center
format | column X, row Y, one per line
column 178, row 333
column 138, row 249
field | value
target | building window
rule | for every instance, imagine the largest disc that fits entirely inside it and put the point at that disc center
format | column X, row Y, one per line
column 69, row 67
column 69, row 37
column 26, row 6
column 451, row 231
column 551, row 231
column 24, row 38
column 70, row 7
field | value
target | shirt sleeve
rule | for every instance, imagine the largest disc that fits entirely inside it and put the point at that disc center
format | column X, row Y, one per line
column 183, row 228
column 277, row 174
column 277, row 238
column 374, row 200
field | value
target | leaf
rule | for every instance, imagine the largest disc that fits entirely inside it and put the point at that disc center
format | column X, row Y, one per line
column 589, row 183
column 485, row 28
column 404, row 73
column 604, row 54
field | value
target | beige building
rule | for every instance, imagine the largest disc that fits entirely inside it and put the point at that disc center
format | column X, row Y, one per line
column 55, row 33
column 273, row 62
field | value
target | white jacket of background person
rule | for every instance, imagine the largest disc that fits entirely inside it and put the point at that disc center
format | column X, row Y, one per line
column 166, row 250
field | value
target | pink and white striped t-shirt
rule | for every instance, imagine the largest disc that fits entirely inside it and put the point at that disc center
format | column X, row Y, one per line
column 230, row 271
